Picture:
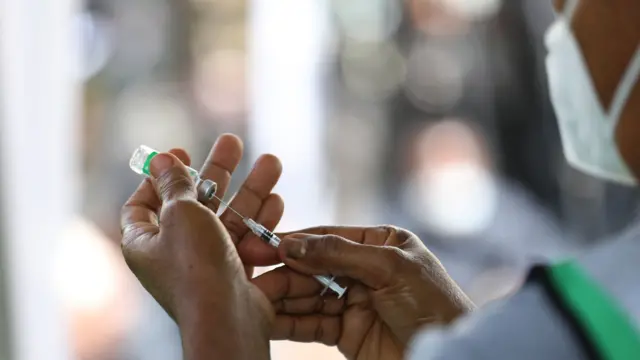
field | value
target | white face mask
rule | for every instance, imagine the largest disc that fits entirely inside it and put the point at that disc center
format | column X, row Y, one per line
column 458, row 200
column 587, row 130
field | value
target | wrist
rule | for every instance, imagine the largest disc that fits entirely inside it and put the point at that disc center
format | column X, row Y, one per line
column 457, row 306
column 453, row 302
column 225, row 326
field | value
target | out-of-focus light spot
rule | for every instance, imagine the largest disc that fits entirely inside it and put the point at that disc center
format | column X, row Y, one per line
column 450, row 141
column 460, row 199
column 154, row 116
column 211, row 36
column 84, row 275
column 452, row 190
column 372, row 69
column 432, row 17
column 223, row 8
column 95, row 39
column 368, row 20
column 435, row 78
column 95, row 288
column 220, row 83
column 474, row 10
column 140, row 35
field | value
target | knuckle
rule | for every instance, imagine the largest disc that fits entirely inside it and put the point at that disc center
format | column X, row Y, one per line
column 180, row 207
column 388, row 230
column 395, row 258
column 396, row 236
column 172, row 180
column 328, row 244
column 405, row 235
column 381, row 235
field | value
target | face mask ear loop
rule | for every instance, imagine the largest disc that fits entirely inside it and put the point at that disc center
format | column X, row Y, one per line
column 625, row 88
column 569, row 10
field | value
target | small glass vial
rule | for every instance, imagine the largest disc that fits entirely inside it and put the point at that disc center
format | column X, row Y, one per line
column 141, row 159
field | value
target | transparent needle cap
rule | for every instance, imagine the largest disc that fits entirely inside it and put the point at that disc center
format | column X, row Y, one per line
column 141, row 159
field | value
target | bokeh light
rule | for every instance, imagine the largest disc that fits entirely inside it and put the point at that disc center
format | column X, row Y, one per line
column 368, row 20
column 475, row 10
column 372, row 70
column 220, row 83
column 435, row 78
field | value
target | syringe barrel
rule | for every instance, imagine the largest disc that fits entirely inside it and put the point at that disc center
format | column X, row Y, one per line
column 141, row 159
column 273, row 240
column 330, row 283
column 324, row 280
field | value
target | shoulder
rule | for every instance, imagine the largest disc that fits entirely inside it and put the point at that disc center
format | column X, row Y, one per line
column 614, row 266
column 526, row 326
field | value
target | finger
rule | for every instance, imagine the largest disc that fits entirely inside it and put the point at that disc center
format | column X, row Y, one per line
column 248, row 201
column 331, row 254
column 252, row 250
column 140, row 211
column 224, row 157
column 372, row 235
column 310, row 305
column 353, row 233
column 144, row 204
column 171, row 178
column 284, row 283
column 182, row 155
column 310, row 328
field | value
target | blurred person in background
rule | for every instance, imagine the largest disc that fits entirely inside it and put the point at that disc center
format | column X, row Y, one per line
column 485, row 229
column 570, row 310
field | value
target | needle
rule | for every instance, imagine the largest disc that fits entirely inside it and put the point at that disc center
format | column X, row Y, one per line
column 273, row 240
column 228, row 207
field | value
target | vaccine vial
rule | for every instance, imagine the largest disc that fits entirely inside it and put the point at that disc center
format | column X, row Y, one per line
column 141, row 159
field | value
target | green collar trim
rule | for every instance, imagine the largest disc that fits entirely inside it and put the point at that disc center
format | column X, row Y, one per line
column 603, row 321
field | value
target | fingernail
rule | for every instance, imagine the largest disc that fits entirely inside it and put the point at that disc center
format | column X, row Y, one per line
column 159, row 164
column 296, row 246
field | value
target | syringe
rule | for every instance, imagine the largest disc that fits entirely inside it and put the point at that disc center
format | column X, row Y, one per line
column 270, row 238
column 206, row 189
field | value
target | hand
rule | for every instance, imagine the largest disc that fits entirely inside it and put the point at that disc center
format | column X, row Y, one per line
column 400, row 286
column 254, row 199
column 183, row 255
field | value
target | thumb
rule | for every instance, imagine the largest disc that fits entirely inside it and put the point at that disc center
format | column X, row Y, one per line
column 171, row 178
column 331, row 254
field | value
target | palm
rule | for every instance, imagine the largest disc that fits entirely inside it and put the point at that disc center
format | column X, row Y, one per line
column 254, row 199
column 372, row 322
column 364, row 335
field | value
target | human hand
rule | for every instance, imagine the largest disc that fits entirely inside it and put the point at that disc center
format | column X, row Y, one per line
column 399, row 287
column 254, row 199
column 183, row 255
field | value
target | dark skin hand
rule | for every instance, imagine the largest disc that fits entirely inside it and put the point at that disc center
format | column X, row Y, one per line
column 186, row 257
column 176, row 246
column 254, row 199
column 398, row 286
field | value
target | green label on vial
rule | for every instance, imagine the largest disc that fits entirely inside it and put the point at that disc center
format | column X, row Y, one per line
column 145, row 168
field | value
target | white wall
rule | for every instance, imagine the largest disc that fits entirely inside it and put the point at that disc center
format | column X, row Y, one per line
column 39, row 158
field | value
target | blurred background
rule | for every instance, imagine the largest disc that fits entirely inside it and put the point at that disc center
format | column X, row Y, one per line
column 427, row 114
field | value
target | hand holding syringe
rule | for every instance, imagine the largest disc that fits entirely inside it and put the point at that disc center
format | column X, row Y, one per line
column 270, row 238
column 139, row 163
